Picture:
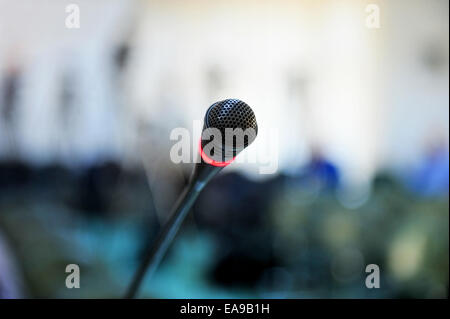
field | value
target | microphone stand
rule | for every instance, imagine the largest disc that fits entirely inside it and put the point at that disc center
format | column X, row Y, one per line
column 202, row 174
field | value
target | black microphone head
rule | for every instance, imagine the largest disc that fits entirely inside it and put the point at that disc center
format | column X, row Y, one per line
column 231, row 113
column 236, row 123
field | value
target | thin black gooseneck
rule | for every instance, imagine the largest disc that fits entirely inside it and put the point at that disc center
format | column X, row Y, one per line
column 202, row 174
column 230, row 113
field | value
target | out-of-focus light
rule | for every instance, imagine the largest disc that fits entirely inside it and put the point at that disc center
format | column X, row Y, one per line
column 406, row 254
column 354, row 197
column 339, row 229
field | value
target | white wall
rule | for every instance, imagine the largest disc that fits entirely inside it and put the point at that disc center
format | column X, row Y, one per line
column 311, row 70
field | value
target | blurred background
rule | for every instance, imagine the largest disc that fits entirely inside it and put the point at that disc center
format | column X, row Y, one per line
column 354, row 119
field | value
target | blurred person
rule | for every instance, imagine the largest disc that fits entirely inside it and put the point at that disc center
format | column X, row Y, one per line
column 8, row 109
column 432, row 176
column 10, row 280
column 321, row 170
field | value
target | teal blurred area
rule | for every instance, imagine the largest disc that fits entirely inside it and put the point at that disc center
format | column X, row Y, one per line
column 287, row 237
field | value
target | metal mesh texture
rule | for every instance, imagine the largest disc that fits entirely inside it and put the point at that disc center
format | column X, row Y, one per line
column 230, row 114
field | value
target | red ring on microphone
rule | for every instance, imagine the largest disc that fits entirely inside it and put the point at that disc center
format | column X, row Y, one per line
column 210, row 161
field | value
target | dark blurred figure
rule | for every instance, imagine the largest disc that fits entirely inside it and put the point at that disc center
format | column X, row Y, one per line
column 121, row 56
column 14, row 174
column 96, row 188
column 8, row 106
column 234, row 209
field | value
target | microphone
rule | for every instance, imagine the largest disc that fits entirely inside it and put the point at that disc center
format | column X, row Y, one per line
column 229, row 127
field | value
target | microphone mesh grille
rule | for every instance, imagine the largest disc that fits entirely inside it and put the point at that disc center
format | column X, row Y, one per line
column 231, row 113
